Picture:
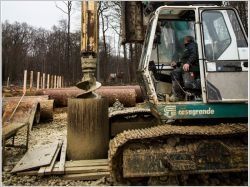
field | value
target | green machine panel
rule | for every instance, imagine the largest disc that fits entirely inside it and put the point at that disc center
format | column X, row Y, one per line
column 201, row 110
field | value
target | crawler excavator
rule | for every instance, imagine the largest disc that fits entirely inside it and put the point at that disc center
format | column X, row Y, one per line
column 205, row 133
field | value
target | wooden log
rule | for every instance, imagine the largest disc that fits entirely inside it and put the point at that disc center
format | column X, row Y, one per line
column 31, row 80
column 52, row 81
column 24, row 81
column 43, row 80
column 87, row 129
column 55, row 81
column 62, row 81
column 8, row 82
column 48, row 81
column 46, row 110
column 38, row 81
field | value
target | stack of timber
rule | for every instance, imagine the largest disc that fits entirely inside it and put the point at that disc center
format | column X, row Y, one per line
column 127, row 95
column 51, row 160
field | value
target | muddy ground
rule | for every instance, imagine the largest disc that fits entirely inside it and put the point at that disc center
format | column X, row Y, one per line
column 45, row 133
column 41, row 134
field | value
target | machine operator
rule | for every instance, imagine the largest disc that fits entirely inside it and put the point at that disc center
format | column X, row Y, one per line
column 189, row 60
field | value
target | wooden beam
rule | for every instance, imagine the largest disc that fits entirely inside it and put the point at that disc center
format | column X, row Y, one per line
column 41, row 171
column 24, row 81
column 82, row 169
column 82, row 163
column 31, row 80
column 38, row 81
column 49, row 168
column 86, row 176
column 63, row 157
column 28, row 173
column 90, row 169
column 48, row 81
column 43, row 79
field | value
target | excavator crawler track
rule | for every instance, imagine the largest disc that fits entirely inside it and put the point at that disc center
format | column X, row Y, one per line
column 121, row 146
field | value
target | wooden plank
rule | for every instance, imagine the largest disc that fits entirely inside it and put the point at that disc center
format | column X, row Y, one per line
column 86, row 176
column 78, row 170
column 91, row 169
column 28, row 173
column 11, row 129
column 84, row 163
column 41, row 171
column 71, row 170
column 36, row 157
column 62, row 158
column 78, row 163
column 34, row 111
column 49, row 168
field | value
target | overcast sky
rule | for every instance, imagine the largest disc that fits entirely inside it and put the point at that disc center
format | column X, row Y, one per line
column 38, row 13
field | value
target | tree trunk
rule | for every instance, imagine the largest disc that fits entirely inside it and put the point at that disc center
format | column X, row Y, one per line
column 105, row 66
column 68, row 43
column 87, row 129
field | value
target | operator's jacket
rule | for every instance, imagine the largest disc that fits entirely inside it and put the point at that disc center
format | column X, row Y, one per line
column 190, row 56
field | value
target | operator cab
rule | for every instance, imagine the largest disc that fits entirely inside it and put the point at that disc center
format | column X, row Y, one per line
column 222, row 50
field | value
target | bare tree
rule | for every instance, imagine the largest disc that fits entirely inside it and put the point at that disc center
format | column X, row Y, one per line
column 68, row 12
column 37, row 49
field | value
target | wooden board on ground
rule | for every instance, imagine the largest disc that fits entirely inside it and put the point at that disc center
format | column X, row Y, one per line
column 86, row 176
column 79, row 163
column 36, row 157
column 89, row 169
column 49, row 168
column 62, row 161
column 68, row 170
column 28, row 173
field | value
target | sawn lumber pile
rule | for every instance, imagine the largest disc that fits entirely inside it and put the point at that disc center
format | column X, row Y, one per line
column 51, row 160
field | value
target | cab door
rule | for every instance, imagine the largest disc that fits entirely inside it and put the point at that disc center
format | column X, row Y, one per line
column 225, row 52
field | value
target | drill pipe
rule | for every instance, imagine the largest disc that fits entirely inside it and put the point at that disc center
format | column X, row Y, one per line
column 126, row 96
column 46, row 106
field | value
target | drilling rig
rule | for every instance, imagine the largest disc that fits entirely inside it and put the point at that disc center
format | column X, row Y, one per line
column 206, row 132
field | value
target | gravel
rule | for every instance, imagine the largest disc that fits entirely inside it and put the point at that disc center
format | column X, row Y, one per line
column 41, row 134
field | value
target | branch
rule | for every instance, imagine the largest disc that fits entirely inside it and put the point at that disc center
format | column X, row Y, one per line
column 65, row 3
column 60, row 8
column 106, row 23
column 114, row 29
